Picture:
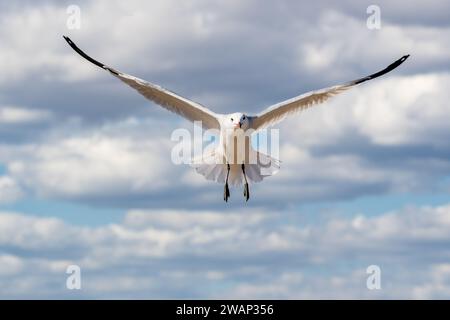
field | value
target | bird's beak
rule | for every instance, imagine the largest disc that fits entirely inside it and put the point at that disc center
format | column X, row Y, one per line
column 238, row 125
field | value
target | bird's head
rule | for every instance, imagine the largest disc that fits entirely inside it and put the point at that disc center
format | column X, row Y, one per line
column 236, row 121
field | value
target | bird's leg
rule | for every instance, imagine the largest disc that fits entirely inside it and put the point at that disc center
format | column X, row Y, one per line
column 246, row 190
column 226, row 191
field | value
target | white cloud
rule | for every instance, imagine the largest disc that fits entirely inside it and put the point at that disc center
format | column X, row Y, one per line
column 269, row 255
column 391, row 111
column 14, row 115
column 338, row 40
column 438, row 284
column 33, row 233
column 93, row 164
column 389, row 116
column 25, row 29
column 177, row 219
column 10, row 265
column 9, row 190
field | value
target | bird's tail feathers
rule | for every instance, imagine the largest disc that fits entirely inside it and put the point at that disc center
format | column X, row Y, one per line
column 213, row 167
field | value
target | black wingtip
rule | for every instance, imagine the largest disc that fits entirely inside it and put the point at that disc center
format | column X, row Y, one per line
column 389, row 68
column 84, row 55
column 68, row 40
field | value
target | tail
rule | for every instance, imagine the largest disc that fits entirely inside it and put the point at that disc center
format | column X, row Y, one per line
column 213, row 167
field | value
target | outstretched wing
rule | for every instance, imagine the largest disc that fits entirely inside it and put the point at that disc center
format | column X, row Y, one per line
column 171, row 101
column 280, row 111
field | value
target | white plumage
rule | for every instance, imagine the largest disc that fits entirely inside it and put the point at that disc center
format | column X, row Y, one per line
column 229, row 162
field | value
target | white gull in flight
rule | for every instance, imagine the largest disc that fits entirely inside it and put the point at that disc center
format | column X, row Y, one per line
column 233, row 162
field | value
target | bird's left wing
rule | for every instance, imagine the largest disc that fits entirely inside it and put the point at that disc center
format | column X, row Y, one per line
column 279, row 111
column 188, row 109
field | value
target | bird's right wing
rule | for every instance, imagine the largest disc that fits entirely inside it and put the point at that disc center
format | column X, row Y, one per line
column 188, row 109
column 280, row 111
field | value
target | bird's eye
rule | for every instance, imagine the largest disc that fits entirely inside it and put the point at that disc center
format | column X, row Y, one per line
column 243, row 118
column 232, row 119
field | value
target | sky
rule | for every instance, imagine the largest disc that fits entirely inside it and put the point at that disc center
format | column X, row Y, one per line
column 86, row 176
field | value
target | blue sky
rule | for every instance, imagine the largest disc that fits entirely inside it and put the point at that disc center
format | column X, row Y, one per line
column 86, row 176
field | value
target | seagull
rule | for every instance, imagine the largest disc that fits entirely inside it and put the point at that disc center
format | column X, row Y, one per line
column 230, row 162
